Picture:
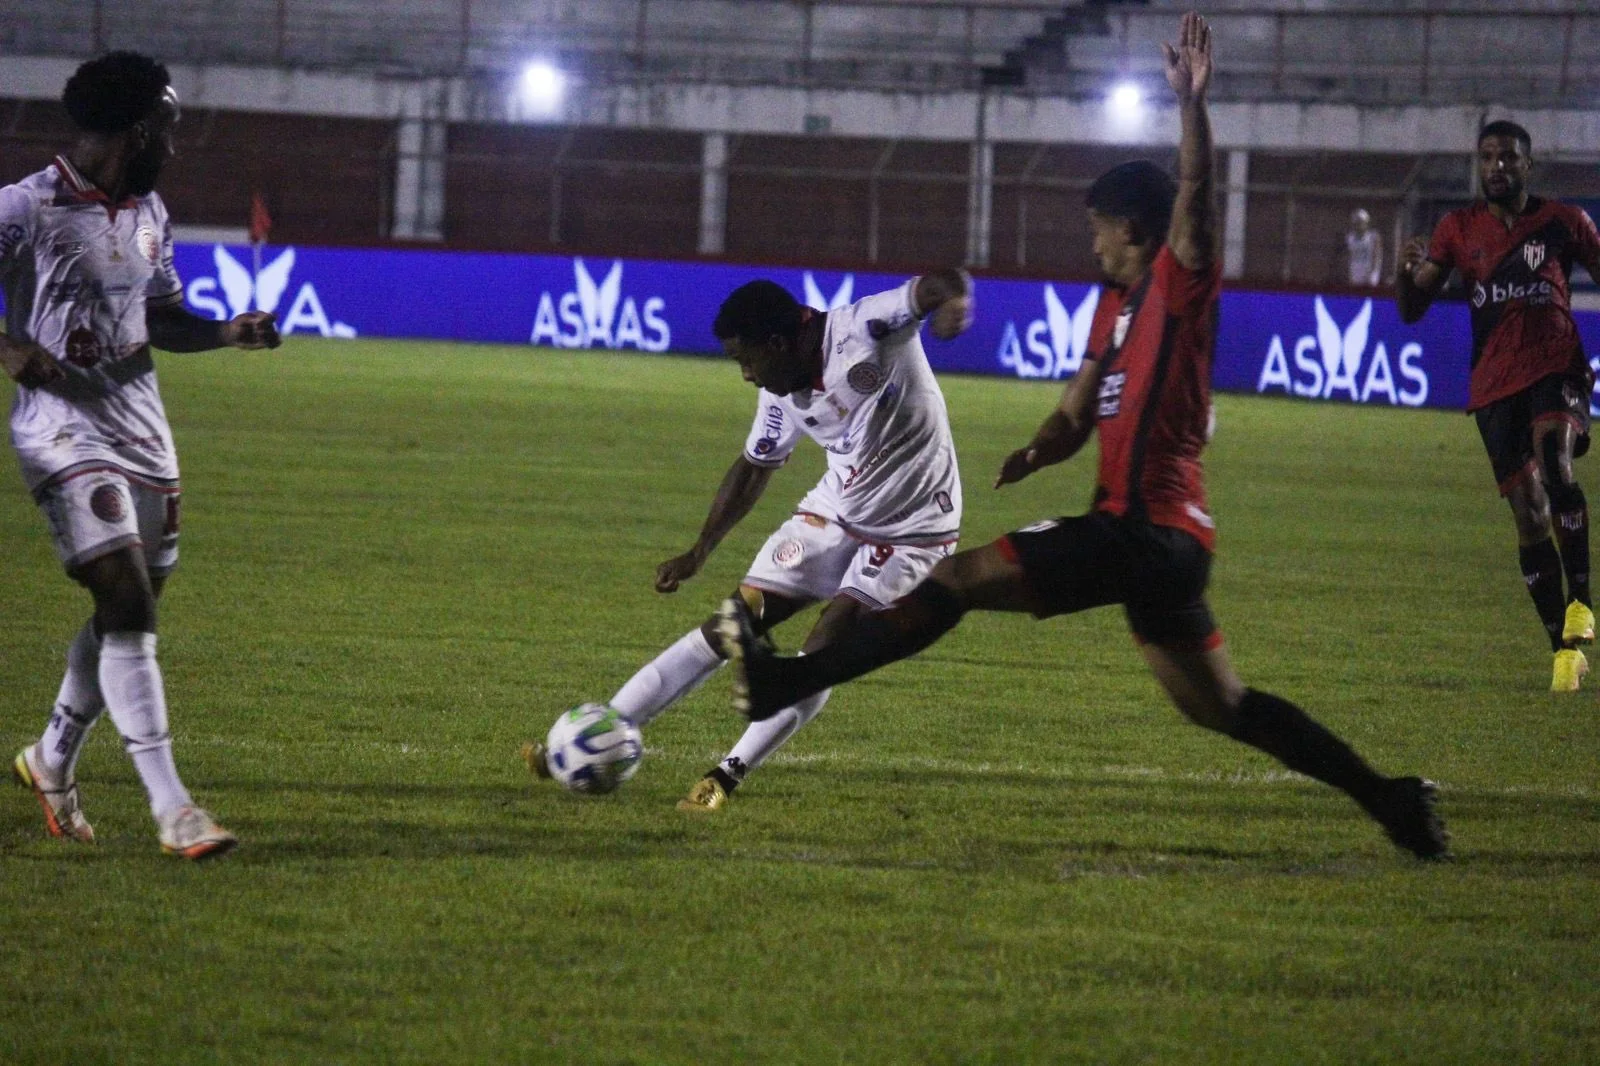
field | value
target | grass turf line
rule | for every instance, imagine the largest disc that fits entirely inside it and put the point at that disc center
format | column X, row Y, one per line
column 401, row 559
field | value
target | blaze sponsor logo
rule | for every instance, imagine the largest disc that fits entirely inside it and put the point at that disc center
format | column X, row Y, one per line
column 1336, row 362
column 1052, row 346
column 262, row 292
column 598, row 314
column 1536, row 293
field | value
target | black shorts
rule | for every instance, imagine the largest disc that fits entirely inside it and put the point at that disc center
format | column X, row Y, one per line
column 1157, row 573
column 1507, row 424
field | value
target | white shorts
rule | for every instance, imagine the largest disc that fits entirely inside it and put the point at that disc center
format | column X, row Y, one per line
column 811, row 558
column 95, row 508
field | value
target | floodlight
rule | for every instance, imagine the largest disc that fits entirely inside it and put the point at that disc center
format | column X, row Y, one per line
column 541, row 87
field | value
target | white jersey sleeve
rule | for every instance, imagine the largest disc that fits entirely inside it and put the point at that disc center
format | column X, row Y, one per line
column 165, row 287
column 773, row 434
column 887, row 317
column 16, row 227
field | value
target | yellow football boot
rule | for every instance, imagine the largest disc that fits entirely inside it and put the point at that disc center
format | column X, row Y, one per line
column 1570, row 667
column 1579, row 627
column 706, row 796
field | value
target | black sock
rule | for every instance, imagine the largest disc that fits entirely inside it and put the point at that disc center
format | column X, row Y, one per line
column 1569, row 513
column 728, row 781
column 1541, row 569
column 1295, row 739
column 916, row 620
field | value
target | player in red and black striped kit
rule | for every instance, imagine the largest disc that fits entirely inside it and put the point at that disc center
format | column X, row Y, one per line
column 1146, row 543
column 1531, row 384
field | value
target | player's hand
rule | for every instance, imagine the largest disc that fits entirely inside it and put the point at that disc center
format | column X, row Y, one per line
column 675, row 571
column 1189, row 63
column 252, row 330
column 1018, row 465
column 28, row 364
column 952, row 318
column 1413, row 255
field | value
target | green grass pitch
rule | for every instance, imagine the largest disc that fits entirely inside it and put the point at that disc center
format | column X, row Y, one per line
column 400, row 560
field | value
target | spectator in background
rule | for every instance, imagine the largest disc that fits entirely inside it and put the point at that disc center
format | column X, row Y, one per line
column 1363, row 250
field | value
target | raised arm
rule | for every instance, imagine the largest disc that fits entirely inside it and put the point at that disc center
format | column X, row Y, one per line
column 741, row 487
column 1193, row 233
column 946, row 295
column 1063, row 432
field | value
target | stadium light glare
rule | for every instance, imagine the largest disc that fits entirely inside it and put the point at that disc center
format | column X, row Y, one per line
column 541, row 88
column 1126, row 100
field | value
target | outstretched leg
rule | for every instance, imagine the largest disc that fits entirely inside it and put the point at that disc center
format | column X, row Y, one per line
column 985, row 579
column 1203, row 685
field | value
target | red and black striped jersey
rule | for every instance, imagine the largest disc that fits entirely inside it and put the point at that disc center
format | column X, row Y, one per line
column 1517, row 282
column 1155, row 343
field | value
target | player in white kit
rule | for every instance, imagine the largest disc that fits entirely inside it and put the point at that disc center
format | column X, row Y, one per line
column 855, row 380
column 86, row 267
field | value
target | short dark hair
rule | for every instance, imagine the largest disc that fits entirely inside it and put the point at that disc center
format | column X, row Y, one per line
column 1506, row 128
column 114, row 92
column 1140, row 192
column 756, row 311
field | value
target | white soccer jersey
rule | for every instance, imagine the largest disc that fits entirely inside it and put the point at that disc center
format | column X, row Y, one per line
column 78, row 272
column 878, row 413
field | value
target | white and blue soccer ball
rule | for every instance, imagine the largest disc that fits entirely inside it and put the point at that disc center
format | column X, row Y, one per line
column 593, row 749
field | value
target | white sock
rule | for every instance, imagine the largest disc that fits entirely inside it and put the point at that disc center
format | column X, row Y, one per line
column 667, row 678
column 131, row 681
column 78, row 706
column 765, row 737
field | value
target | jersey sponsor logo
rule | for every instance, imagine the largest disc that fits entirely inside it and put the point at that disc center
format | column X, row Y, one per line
column 1535, row 293
column 598, row 314
column 1052, row 346
column 865, row 378
column 789, row 554
column 842, row 296
column 1110, row 397
column 772, row 426
column 10, row 236
column 108, row 504
column 1336, row 362
column 1533, row 254
column 262, row 291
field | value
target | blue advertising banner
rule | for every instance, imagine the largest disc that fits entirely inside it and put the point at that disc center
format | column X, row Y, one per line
column 1327, row 348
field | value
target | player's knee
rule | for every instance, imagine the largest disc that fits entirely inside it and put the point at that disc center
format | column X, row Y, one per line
column 1555, row 469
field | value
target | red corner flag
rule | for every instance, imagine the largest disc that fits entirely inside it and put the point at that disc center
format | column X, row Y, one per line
column 260, row 221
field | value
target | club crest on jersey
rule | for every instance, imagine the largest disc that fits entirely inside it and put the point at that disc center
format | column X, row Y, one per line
column 83, row 348
column 865, row 378
column 789, row 554
column 1119, row 332
column 1533, row 254
column 107, row 503
column 148, row 243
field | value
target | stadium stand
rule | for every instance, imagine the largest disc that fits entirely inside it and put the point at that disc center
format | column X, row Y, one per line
column 856, row 116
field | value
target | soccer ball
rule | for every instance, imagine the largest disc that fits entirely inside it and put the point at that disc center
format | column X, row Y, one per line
column 593, row 748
